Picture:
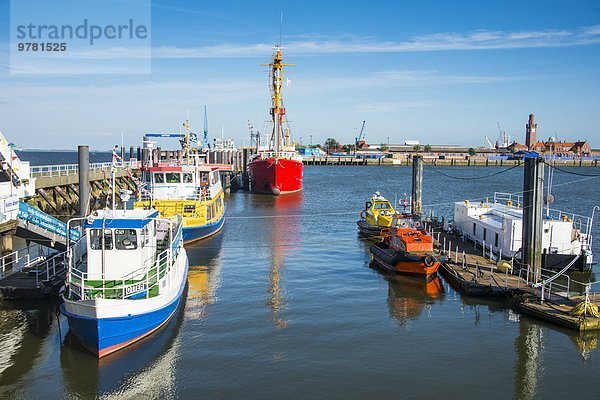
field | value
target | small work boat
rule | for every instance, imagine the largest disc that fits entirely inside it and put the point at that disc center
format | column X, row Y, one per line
column 407, row 248
column 125, row 279
column 377, row 215
column 183, row 186
column 192, row 191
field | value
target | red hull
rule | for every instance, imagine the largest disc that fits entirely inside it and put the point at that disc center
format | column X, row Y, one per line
column 276, row 175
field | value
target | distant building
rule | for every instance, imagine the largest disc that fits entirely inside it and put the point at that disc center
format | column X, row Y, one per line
column 559, row 148
column 530, row 132
column 361, row 144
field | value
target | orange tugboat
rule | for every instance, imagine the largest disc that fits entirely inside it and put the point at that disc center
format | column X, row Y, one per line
column 407, row 248
column 277, row 169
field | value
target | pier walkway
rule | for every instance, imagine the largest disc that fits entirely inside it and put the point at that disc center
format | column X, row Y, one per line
column 31, row 273
column 473, row 271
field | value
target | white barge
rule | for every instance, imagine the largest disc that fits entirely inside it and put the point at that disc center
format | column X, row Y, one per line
column 497, row 226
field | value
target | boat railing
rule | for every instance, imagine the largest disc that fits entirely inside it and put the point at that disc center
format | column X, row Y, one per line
column 508, row 198
column 280, row 154
column 199, row 194
column 129, row 286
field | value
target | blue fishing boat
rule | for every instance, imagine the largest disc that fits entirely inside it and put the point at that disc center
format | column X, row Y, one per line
column 126, row 276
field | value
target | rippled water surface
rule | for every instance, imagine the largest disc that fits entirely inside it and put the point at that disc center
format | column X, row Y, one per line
column 283, row 304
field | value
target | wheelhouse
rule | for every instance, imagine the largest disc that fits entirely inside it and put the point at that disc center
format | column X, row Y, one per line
column 122, row 254
column 182, row 182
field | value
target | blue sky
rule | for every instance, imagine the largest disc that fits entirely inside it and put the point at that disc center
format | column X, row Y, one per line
column 437, row 72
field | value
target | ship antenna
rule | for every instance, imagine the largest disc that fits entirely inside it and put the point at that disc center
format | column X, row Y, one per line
column 280, row 28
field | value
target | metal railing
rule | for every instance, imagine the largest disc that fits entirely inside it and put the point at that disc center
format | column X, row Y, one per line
column 546, row 281
column 18, row 260
column 43, row 171
column 199, row 194
column 50, row 268
column 280, row 154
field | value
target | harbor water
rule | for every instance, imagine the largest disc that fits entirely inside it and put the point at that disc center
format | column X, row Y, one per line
column 283, row 303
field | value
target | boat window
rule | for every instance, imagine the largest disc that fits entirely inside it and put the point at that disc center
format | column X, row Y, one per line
column 484, row 233
column 96, row 239
column 381, row 206
column 145, row 236
column 474, row 228
column 173, row 177
column 204, row 179
column 159, row 177
column 496, row 241
column 188, row 178
column 126, row 239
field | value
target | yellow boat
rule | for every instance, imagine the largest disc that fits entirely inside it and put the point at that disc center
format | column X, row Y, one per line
column 378, row 214
column 192, row 191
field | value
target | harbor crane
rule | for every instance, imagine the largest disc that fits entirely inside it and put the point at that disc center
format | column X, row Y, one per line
column 361, row 136
column 205, row 144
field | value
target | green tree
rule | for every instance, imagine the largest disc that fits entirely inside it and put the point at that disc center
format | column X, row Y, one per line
column 331, row 144
column 384, row 147
column 417, row 147
column 471, row 151
column 427, row 148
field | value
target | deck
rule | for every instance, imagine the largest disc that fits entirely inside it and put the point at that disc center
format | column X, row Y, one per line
column 471, row 273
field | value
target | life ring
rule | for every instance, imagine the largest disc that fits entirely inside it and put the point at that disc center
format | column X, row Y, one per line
column 203, row 192
column 403, row 224
column 417, row 224
column 429, row 260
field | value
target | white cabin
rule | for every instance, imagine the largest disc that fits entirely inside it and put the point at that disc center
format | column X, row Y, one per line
column 182, row 182
column 499, row 225
column 131, row 239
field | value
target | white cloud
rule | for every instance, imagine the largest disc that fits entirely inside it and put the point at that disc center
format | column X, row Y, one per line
column 391, row 106
column 448, row 41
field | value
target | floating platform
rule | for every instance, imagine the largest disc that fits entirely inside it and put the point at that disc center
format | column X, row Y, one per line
column 472, row 274
column 36, row 281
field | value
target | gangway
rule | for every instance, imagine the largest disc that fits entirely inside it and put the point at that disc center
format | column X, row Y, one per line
column 39, row 227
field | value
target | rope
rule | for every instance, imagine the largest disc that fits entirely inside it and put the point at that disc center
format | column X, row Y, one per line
column 471, row 178
column 570, row 172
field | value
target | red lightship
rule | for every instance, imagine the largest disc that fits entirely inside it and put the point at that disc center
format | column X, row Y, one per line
column 278, row 169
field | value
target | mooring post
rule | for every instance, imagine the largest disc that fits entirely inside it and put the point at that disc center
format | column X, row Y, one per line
column 456, row 255
column 533, row 191
column 417, row 185
column 84, row 180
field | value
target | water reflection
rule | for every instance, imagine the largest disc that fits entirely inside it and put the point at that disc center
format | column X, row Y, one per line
column 408, row 296
column 204, row 276
column 145, row 369
column 586, row 343
column 23, row 328
column 285, row 233
column 528, row 369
